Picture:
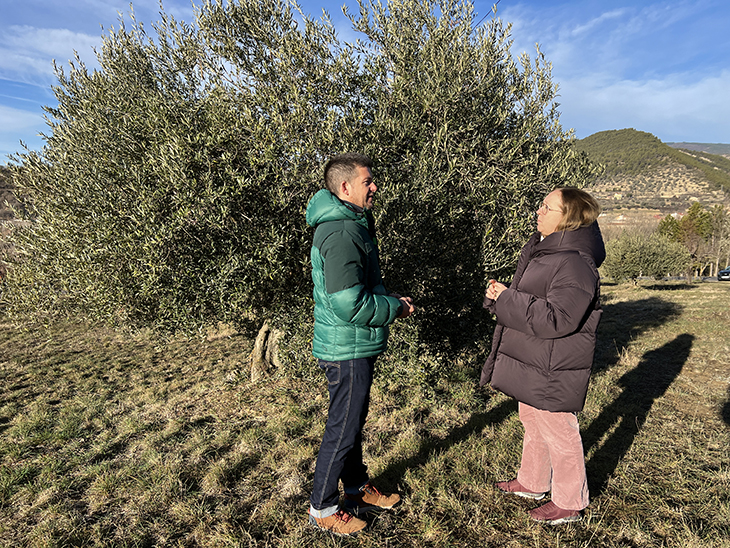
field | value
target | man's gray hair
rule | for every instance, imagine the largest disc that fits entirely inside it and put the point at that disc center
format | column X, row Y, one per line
column 342, row 168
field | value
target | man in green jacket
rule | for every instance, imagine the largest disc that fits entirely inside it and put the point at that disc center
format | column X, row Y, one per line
column 352, row 312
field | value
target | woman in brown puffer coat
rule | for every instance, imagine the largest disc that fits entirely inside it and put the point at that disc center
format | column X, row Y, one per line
column 543, row 346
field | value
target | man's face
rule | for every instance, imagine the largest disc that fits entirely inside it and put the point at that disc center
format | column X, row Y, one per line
column 360, row 189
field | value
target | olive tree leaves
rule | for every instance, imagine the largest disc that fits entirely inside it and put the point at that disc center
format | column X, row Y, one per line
column 172, row 187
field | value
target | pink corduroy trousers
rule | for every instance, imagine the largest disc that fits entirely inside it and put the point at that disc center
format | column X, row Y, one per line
column 552, row 457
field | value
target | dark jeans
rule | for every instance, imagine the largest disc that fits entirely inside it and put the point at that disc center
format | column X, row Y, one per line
column 340, row 455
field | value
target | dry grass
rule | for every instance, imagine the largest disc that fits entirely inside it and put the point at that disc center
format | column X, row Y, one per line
column 108, row 439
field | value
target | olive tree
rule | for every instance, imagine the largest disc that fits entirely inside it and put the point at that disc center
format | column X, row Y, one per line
column 172, row 188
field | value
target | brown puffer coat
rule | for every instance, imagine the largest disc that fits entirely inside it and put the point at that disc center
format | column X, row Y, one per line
column 543, row 346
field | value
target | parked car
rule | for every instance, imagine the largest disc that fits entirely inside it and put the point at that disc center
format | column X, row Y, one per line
column 724, row 274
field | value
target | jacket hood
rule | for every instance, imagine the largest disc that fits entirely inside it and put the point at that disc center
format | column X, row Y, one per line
column 587, row 241
column 325, row 206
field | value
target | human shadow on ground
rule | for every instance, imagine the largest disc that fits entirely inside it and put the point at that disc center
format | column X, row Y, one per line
column 433, row 445
column 624, row 321
column 620, row 324
column 642, row 386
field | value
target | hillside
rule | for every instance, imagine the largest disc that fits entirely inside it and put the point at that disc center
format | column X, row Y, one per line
column 721, row 149
column 645, row 178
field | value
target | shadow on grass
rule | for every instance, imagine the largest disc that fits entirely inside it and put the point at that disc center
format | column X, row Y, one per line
column 725, row 413
column 621, row 323
column 642, row 385
column 670, row 287
column 431, row 446
column 624, row 321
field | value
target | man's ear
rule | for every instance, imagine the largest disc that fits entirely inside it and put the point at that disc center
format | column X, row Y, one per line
column 344, row 188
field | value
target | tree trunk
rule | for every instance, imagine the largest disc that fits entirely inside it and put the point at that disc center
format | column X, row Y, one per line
column 259, row 365
column 265, row 352
column 272, row 348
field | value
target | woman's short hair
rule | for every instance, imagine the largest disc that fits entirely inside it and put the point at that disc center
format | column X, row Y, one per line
column 579, row 208
column 342, row 167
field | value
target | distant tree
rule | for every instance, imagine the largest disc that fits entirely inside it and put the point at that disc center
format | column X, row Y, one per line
column 635, row 254
column 719, row 244
column 669, row 227
column 705, row 234
column 695, row 228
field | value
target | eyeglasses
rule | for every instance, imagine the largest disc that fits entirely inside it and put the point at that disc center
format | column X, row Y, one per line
column 544, row 208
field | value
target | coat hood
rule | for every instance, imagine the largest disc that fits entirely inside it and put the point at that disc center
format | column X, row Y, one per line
column 325, row 206
column 587, row 241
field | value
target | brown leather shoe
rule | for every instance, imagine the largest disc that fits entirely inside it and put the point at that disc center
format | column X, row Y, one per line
column 370, row 498
column 339, row 523
column 551, row 514
column 513, row 487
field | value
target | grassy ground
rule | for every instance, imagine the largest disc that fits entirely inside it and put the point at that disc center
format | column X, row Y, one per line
column 107, row 439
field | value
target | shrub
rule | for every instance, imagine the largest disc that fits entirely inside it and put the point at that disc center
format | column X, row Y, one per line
column 634, row 254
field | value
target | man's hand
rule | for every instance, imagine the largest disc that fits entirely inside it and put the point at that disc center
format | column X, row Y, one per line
column 408, row 307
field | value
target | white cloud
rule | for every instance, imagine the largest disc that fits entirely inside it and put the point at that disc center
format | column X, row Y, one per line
column 657, row 67
column 26, row 53
column 19, row 124
column 15, row 119
column 583, row 28
column 47, row 41
column 675, row 108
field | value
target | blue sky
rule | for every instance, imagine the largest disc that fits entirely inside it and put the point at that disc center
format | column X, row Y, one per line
column 656, row 66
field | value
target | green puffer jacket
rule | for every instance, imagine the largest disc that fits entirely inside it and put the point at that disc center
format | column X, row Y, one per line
column 352, row 310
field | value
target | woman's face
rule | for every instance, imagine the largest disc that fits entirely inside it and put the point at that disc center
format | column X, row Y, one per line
column 550, row 213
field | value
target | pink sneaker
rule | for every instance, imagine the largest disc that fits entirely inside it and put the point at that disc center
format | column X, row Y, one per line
column 513, row 487
column 550, row 514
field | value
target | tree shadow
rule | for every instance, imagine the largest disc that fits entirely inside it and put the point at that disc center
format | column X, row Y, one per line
column 623, row 321
column 432, row 445
column 642, row 385
column 672, row 287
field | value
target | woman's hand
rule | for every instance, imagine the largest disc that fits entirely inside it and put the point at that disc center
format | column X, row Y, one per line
column 495, row 289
